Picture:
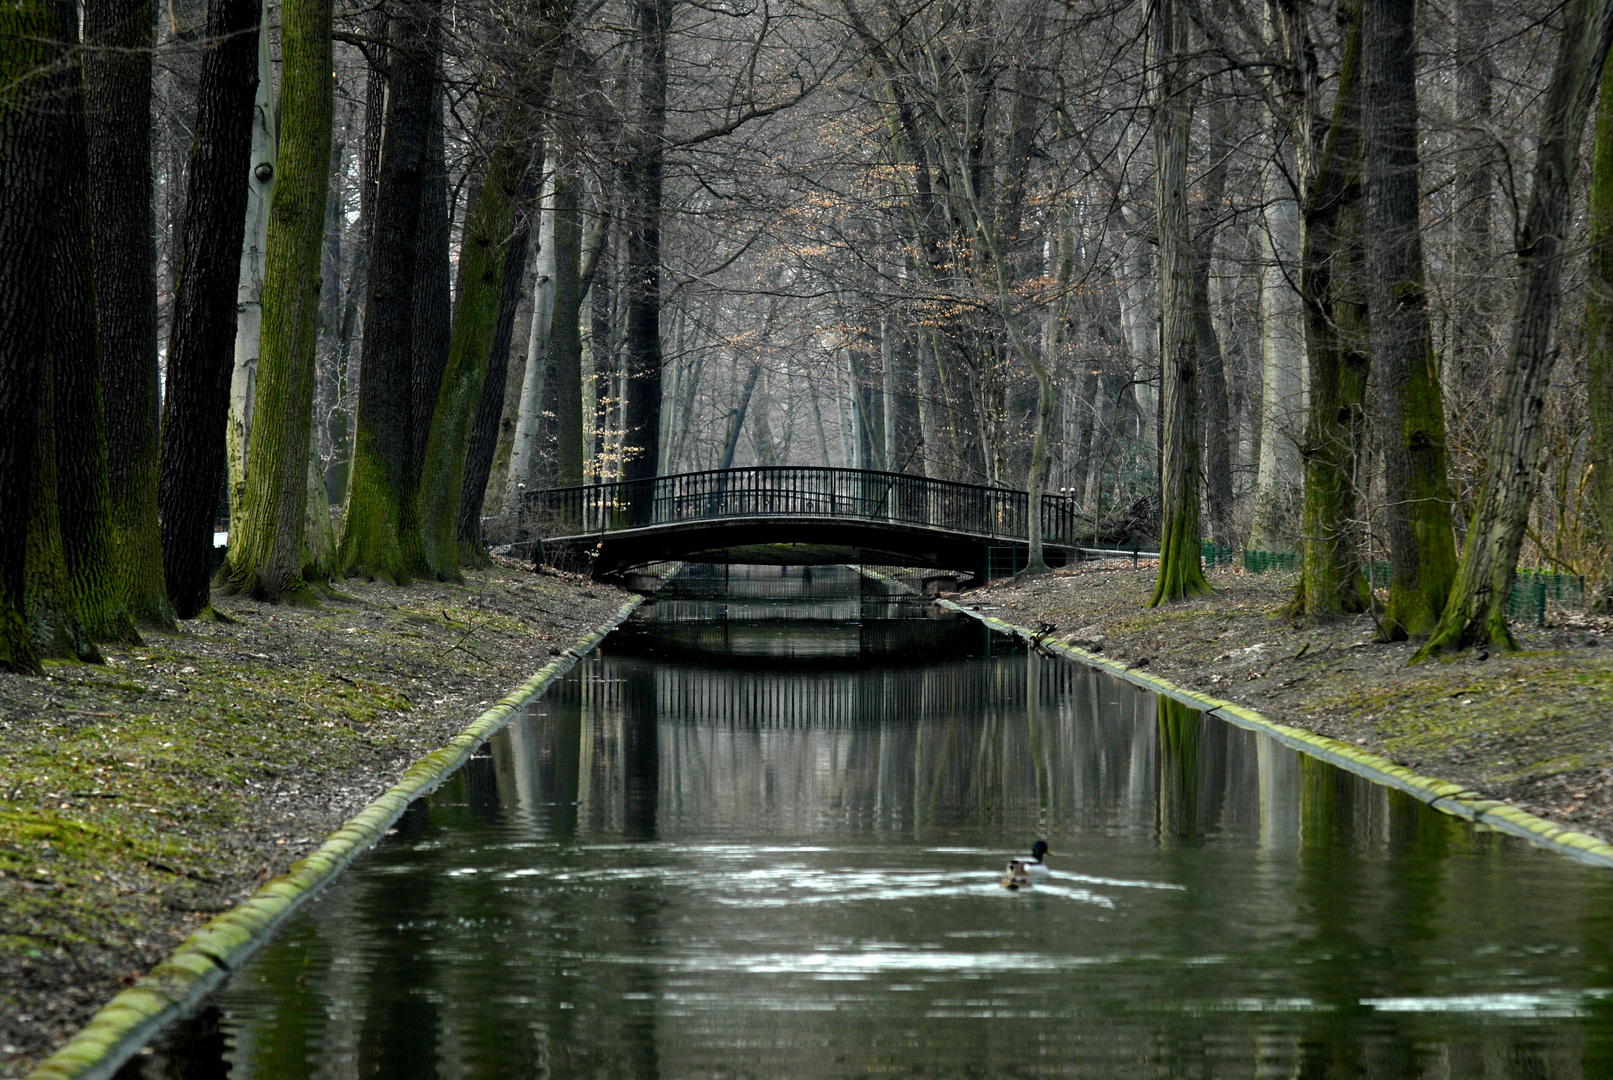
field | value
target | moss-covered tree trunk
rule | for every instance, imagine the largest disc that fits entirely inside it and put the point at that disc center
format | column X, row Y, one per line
column 1422, row 544
column 53, row 622
column 1181, row 568
column 381, row 537
column 53, row 599
column 1476, row 612
column 27, row 171
column 266, row 543
column 1331, row 286
column 1599, row 321
column 484, row 431
column 117, row 77
column 249, row 287
column 84, row 502
column 201, row 343
column 483, row 260
column 50, row 599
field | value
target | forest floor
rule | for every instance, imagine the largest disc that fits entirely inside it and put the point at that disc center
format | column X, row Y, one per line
column 139, row 799
column 1531, row 727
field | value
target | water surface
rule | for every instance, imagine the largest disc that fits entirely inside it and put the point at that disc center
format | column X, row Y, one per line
column 760, row 834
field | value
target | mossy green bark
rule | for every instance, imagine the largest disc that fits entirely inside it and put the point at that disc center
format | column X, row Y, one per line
column 1339, row 354
column 488, row 224
column 83, row 497
column 117, row 77
column 267, row 548
column 1181, row 567
column 381, row 537
column 1411, row 412
column 53, row 619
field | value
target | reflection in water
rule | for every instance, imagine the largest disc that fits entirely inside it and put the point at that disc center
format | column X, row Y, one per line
column 740, row 847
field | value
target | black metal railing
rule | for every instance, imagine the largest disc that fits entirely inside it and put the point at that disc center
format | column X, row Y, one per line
column 793, row 491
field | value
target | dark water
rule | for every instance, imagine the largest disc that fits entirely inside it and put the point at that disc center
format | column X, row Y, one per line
column 761, row 836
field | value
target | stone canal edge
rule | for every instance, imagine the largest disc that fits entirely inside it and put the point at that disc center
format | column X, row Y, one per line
column 207, row 957
column 1453, row 799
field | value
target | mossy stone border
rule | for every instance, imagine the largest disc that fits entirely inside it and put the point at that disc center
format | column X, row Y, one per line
column 208, row 956
column 1453, row 799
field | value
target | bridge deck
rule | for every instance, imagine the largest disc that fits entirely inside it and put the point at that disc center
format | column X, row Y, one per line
column 825, row 513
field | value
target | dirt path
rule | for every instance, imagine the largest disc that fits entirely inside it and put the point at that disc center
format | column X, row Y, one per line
column 1534, row 728
column 139, row 799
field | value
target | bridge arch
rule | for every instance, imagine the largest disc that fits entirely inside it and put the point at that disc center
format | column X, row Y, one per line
column 801, row 516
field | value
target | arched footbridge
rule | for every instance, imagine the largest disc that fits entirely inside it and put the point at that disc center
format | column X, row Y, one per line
column 800, row 516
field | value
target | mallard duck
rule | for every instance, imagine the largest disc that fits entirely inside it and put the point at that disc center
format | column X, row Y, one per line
column 1020, row 871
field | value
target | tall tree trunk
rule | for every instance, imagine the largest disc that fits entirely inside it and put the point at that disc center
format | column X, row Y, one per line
column 340, row 419
column 565, row 337
column 1332, row 284
column 570, row 436
column 1422, row 545
column 266, row 540
column 483, row 262
column 641, row 434
column 117, row 76
column 1599, row 322
column 431, row 337
column 529, row 414
column 1472, row 325
column 49, row 606
column 484, row 432
column 76, row 598
column 1217, row 427
column 202, row 336
column 1477, row 609
column 381, row 536
column 1282, row 404
column 28, row 166
column 84, row 502
column 1181, row 569
column 249, row 286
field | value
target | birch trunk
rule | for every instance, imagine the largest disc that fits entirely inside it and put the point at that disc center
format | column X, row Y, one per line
column 529, row 415
column 249, row 286
column 1282, row 391
column 266, row 543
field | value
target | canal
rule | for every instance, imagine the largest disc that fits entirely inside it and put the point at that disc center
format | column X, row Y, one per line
column 760, row 833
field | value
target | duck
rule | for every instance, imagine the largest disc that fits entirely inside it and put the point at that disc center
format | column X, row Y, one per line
column 1021, row 872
